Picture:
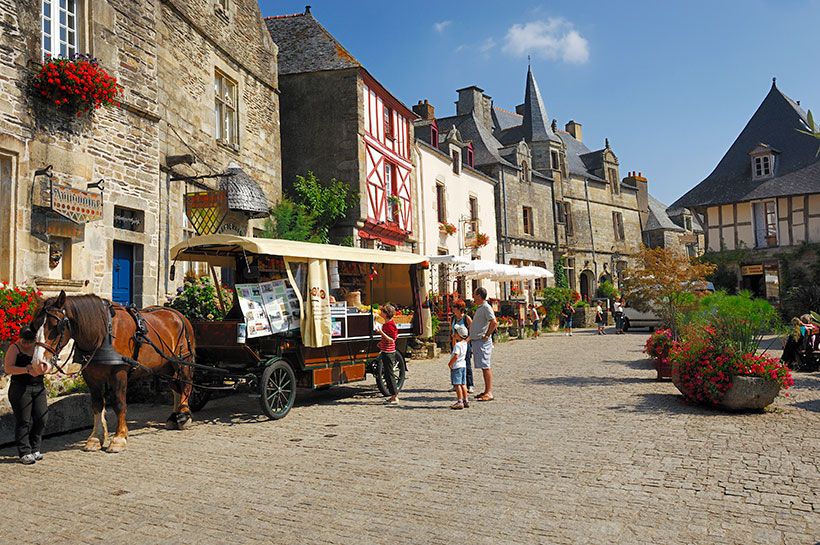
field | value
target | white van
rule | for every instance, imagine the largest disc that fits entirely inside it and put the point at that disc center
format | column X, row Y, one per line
column 635, row 318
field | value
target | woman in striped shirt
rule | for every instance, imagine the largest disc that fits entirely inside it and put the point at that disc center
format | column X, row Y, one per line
column 387, row 345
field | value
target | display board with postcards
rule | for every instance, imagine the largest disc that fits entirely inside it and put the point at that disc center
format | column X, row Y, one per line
column 268, row 307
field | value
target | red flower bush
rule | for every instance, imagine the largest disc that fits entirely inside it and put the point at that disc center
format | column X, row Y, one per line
column 659, row 344
column 77, row 84
column 17, row 307
column 481, row 239
column 703, row 371
column 447, row 228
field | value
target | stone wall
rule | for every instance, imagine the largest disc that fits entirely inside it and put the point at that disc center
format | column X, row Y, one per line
column 321, row 115
column 165, row 64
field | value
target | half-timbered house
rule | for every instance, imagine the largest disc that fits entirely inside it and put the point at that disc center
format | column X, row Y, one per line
column 339, row 122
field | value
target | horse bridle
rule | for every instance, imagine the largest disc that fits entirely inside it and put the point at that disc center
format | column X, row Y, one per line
column 63, row 325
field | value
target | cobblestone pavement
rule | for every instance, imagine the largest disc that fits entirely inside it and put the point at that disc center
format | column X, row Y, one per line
column 580, row 446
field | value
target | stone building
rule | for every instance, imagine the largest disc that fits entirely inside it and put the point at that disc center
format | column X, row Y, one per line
column 762, row 200
column 676, row 229
column 200, row 95
column 454, row 195
column 554, row 196
column 339, row 122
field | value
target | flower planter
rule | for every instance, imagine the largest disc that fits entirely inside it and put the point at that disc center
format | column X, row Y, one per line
column 664, row 370
column 749, row 393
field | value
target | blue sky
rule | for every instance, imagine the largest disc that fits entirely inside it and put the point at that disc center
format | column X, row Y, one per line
column 671, row 84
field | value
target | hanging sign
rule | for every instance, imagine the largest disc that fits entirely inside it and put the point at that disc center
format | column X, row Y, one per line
column 75, row 204
column 206, row 210
column 751, row 270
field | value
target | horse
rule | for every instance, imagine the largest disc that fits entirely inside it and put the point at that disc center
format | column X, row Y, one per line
column 114, row 345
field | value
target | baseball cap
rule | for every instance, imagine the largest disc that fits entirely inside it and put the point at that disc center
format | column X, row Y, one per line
column 461, row 331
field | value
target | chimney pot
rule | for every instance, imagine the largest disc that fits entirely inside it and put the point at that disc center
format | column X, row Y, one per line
column 425, row 110
column 307, row 10
column 574, row 129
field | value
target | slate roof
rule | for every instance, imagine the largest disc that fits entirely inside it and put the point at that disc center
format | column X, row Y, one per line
column 485, row 145
column 797, row 171
column 244, row 194
column 504, row 119
column 306, row 46
column 659, row 218
column 536, row 122
column 575, row 152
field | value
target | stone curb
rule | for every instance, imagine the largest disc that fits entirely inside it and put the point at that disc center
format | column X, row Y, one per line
column 65, row 414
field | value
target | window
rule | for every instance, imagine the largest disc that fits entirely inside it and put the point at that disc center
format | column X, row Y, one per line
column 765, row 215
column 129, row 219
column 392, row 192
column 456, row 161
column 473, row 208
column 687, row 223
column 528, row 221
column 470, row 156
column 618, row 225
column 441, row 209
column 560, row 212
column 762, row 166
column 555, row 161
column 225, row 107
column 388, row 123
column 612, row 174
column 569, row 269
column 60, row 26
column 568, row 218
column 434, row 134
column 525, row 172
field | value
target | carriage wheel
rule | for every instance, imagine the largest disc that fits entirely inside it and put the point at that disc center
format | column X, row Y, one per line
column 398, row 374
column 199, row 398
column 278, row 389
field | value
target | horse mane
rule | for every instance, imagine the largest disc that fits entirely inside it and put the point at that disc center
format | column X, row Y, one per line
column 89, row 316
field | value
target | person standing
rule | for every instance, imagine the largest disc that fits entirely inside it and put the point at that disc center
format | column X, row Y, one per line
column 535, row 318
column 618, row 314
column 481, row 331
column 600, row 318
column 389, row 332
column 460, row 317
column 27, row 397
column 458, row 366
column 566, row 315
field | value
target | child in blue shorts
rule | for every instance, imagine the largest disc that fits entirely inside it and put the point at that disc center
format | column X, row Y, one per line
column 458, row 367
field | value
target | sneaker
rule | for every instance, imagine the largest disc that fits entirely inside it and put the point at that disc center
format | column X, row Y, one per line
column 570, row 334
column 27, row 459
column 38, row 456
column 471, row 390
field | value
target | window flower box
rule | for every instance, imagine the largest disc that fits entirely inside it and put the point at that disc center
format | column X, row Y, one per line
column 76, row 85
column 447, row 228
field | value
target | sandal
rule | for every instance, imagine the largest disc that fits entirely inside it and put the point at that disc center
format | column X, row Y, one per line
column 458, row 405
column 484, row 398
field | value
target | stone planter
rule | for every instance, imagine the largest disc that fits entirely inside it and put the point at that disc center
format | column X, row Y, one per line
column 750, row 393
column 66, row 413
column 664, row 370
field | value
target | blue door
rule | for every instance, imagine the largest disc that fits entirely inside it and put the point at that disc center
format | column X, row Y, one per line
column 122, row 270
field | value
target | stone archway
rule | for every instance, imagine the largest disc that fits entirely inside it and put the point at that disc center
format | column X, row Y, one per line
column 587, row 285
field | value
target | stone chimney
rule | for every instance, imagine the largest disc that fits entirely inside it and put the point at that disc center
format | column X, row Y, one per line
column 636, row 180
column 425, row 110
column 473, row 99
column 574, row 129
column 519, row 109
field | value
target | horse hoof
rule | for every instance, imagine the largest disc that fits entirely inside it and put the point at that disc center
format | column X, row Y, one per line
column 92, row 445
column 171, row 423
column 184, row 420
column 117, row 445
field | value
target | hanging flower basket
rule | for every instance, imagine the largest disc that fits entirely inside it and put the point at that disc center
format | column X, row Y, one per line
column 447, row 228
column 481, row 239
column 76, row 85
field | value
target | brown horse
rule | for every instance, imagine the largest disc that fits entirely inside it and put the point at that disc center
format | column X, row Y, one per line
column 87, row 319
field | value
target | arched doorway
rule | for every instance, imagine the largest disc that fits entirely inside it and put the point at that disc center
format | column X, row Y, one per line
column 587, row 284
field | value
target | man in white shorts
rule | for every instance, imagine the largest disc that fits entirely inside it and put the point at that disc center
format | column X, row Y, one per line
column 481, row 331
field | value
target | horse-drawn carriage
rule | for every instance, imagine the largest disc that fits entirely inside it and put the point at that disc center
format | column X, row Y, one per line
column 304, row 316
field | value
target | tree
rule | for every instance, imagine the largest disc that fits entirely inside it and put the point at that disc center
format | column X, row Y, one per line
column 814, row 130
column 327, row 202
column 561, row 280
column 291, row 221
column 665, row 282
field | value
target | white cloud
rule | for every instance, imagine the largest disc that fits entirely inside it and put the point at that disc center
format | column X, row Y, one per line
column 487, row 45
column 441, row 26
column 555, row 38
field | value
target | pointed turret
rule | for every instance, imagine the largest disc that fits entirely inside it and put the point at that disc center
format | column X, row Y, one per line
column 536, row 124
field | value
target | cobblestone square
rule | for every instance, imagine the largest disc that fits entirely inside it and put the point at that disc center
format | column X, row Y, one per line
column 582, row 445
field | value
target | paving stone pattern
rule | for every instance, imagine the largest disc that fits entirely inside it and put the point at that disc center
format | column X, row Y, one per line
column 582, row 445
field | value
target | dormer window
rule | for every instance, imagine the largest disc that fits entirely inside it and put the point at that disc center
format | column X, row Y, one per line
column 456, row 162
column 687, row 223
column 470, row 158
column 763, row 166
column 525, row 172
column 434, row 134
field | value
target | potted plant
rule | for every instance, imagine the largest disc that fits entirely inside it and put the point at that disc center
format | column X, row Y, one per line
column 447, row 228
column 481, row 239
column 76, row 85
column 198, row 300
column 657, row 347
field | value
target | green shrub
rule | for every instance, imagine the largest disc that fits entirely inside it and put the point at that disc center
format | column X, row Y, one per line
column 554, row 299
column 608, row 290
column 198, row 300
column 741, row 320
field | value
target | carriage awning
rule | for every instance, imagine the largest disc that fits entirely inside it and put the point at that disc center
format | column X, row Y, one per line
column 221, row 249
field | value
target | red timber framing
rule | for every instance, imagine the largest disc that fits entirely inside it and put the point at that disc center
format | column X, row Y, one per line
column 388, row 164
